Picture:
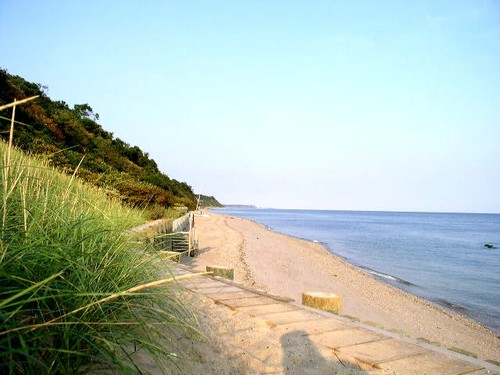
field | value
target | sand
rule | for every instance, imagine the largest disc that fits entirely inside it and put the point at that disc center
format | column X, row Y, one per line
column 236, row 343
column 286, row 266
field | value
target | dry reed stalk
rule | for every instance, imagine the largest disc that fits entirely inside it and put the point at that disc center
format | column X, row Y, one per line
column 7, row 165
column 24, row 193
column 132, row 290
column 66, row 193
column 9, row 149
column 22, row 101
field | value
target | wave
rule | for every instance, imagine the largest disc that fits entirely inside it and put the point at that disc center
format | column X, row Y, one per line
column 453, row 306
column 388, row 277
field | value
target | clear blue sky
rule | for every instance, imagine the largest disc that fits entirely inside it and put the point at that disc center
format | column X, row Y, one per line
column 358, row 105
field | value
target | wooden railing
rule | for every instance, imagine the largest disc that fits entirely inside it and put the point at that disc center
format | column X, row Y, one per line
column 177, row 236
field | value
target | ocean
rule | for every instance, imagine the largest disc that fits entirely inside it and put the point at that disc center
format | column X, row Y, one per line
column 438, row 256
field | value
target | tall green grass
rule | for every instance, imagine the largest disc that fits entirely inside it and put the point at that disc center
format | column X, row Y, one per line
column 74, row 292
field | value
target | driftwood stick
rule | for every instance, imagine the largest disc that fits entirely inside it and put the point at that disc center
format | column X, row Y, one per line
column 17, row 102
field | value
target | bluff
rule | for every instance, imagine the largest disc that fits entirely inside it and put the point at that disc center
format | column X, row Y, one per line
column 73, row 140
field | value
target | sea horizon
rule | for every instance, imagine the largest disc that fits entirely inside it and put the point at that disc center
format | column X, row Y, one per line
column 252, row 206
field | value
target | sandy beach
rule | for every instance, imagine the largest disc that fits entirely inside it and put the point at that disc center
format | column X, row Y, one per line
column 286, row 266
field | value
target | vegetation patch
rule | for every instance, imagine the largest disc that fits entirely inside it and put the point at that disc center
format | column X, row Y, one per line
column 427, row 341
column 353, row 318
column 398, row 332
column 73, row 140
column 463, row 351
column 373, row 324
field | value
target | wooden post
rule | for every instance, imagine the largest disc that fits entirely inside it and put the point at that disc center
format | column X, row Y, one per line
column 17, row 102
column 224, row 272
column 190, row 253
column 323, row 301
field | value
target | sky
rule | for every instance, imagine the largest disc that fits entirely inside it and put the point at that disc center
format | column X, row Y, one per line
column 342, row 105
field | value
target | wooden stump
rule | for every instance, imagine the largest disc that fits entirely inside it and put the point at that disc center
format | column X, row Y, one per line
column 323, row 301
column 224, row 272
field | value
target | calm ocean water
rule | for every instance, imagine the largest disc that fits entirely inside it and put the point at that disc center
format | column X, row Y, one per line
column 438, row 256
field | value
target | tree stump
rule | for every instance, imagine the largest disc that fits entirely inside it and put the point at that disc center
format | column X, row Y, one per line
column 323, row 301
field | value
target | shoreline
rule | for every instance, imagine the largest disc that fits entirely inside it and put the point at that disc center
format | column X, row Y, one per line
column 398, row 283
column 380, row 276
column 287, row 266
column 392, row 280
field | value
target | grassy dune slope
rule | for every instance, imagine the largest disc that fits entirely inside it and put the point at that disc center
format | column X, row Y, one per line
column 67, row 264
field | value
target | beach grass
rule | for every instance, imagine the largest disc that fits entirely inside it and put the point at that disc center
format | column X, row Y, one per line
column 463, row 351
column 76, row 294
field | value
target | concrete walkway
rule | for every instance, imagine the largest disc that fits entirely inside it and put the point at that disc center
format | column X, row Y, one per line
column 354, row 344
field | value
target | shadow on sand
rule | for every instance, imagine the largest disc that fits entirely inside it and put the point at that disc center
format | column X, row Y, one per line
column 302, row 356
column 193, row 261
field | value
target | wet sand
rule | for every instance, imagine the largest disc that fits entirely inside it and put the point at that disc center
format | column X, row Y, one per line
column 286, row 266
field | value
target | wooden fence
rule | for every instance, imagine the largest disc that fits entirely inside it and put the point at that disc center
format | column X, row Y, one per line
column 171, row 236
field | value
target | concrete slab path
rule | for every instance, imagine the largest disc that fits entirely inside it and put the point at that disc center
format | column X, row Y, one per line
column 352, row 343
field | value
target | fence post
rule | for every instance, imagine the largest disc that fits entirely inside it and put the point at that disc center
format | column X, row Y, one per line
column 189, row 236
